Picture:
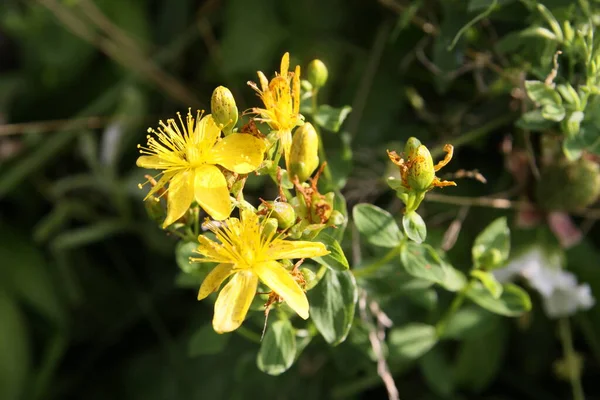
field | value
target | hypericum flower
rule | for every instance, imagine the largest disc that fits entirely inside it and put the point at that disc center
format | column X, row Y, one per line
column 189, row 157
column 249, row 252
column 281, row 97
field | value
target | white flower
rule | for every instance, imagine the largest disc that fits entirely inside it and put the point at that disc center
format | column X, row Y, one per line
column 561, row 294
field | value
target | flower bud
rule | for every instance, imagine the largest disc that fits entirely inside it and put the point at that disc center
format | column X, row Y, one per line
column 321, row 207
column 421, row 172
column 223, row 108
column 412, row 144
column 317, row 73
column 304, row 155
column 283, row 212
column 310, row 278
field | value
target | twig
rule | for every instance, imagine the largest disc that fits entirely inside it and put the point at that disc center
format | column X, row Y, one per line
column 376, row 337
column 451, row 234
column 494, row 202
column 419, row 22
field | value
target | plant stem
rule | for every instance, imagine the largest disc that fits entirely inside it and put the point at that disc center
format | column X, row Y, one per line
column 248, row 334
column 371, row 268
column 474, row 134
column 566, row 339
column 440, row 328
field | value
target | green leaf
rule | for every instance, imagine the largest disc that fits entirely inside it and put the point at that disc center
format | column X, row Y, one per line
column 569, row 94
column 542, row 94
column 469, row 322
column 411, row 341
column 573, row 147
column 278, row 348
column 414, row 227
column 377, row 225
column 513, row 302
column 331, row 118
column 206, row 341
column 533, row 121
column 336, row 259
column 438, row 372
column 14, row 349
column 489, row 282
column 421, row 261
column 26, row 273
column 474, row 371
column 492, row 245
column 332, row 304
column 553, row 112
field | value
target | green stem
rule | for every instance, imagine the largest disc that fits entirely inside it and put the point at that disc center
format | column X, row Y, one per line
column 248, row 334
column 372, row 268
column 440, row 328
column 474, row 134
column 566, row 339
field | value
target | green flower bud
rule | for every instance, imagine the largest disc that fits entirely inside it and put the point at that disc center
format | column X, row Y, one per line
column 283, row 212
column 321, row 207
column 421, row 172
column 490, row 259
column 412, row 144
column 304, row 155
column 317, row 73
column 223, row 108
column 154, row 209
column 572, row 123
column 310, row 278
column 568, row 186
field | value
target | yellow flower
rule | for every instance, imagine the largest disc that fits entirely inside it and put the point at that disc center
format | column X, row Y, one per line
column 189, row 157
column 281, row 97
column 249, row 253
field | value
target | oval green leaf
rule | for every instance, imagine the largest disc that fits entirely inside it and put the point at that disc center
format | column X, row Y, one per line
column 332, row 304
column 414, row 227
column 377, row 225
column 513, row 302
column 278, row 348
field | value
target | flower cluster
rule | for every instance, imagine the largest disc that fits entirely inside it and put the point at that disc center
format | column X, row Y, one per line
column 204, row 163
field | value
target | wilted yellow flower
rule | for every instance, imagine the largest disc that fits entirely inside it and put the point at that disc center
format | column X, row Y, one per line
column 249, row 252
column 189, row 157
column 281, row 97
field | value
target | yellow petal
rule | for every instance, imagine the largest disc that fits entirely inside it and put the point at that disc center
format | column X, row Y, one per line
column 234, row 301
column 151, row 162
column 272, row 274
column 180, row 196
column 211, row 251
column 206, row 133
column 238, row 152
column 214, row 279
column 286, row 249
column 286, row 144
column 210, row 189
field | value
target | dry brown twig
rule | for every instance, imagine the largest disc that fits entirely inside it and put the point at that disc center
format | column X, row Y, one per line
column 377, row 338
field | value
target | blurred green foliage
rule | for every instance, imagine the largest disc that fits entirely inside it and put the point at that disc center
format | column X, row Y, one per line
column 92, row 304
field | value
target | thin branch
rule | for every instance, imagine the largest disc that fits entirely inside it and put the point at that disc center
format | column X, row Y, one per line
column 377, row 337
column 500, row 203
